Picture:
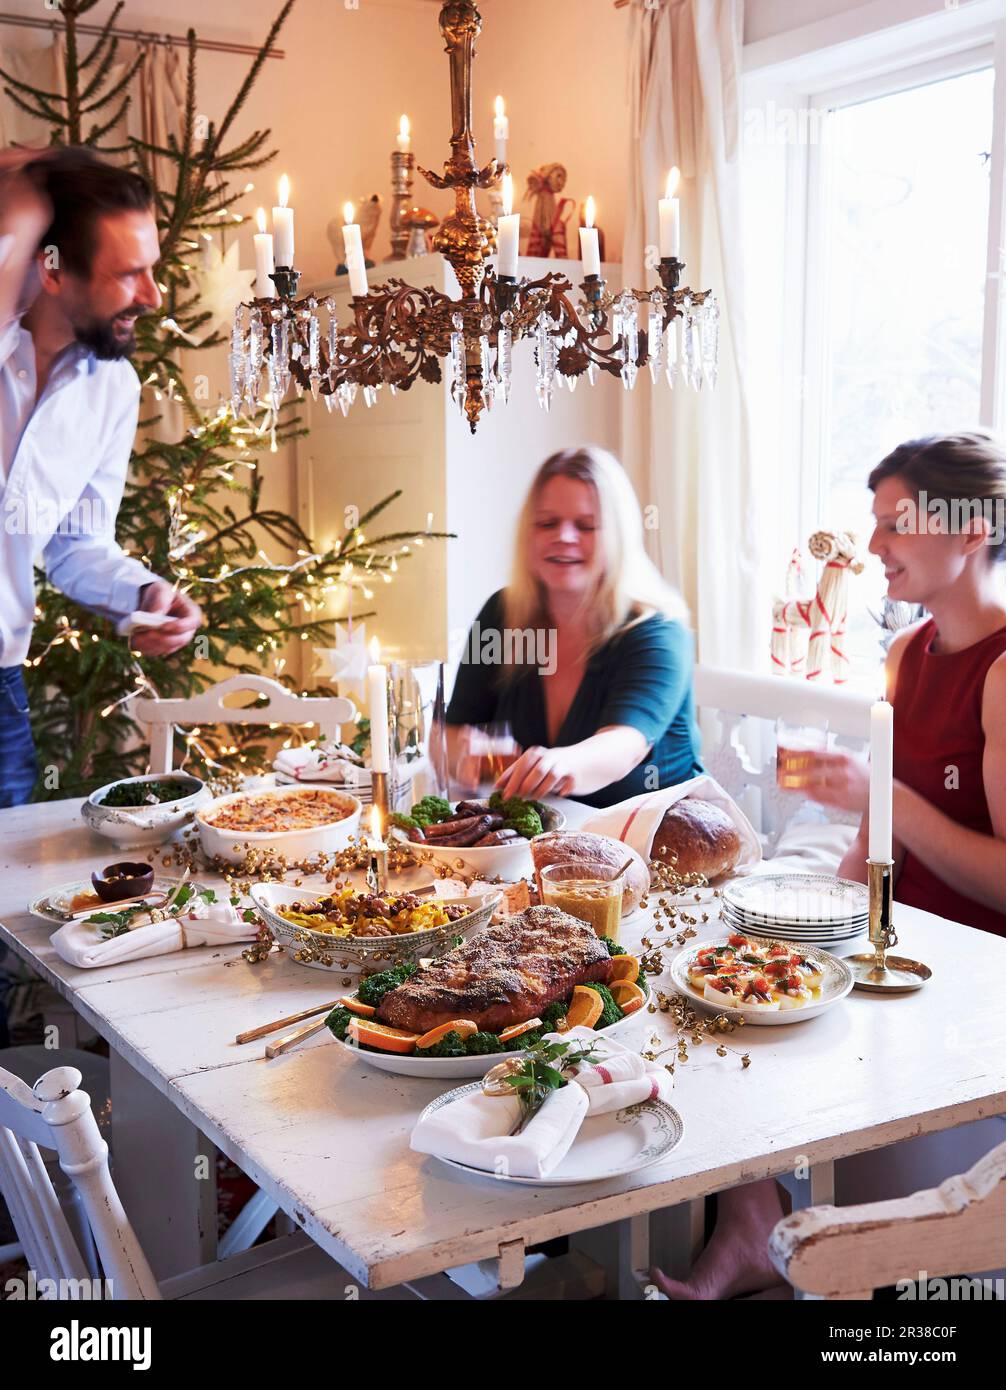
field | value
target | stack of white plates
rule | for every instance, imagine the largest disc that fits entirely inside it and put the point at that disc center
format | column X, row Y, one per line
column 808, row 909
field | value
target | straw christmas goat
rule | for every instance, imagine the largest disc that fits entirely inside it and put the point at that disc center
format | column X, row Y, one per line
column 808, row 635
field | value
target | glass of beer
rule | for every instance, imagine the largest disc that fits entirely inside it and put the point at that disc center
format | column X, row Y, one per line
column 497, row 749
column 797, row 748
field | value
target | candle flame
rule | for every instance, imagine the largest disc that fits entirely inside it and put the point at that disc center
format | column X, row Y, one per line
column 374, row 647
column 589, row 213
column 500, row 109
column 507, row 194
column 376, row 828
column 404, row 128
column 349, row 213
column 260, row 219
column 673, row 179
column 284, row 191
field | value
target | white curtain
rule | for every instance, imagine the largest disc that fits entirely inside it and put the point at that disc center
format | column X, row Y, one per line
column 689, row 453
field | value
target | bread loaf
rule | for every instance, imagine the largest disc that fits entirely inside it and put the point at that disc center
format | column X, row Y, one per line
column 696, row 837
column 582, row 848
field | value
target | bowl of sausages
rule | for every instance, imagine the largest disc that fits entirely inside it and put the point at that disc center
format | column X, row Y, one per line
column 487, row 838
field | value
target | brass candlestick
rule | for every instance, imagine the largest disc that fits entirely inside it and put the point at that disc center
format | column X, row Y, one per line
column 402, row 169
column 377, row 870
column 876, row 970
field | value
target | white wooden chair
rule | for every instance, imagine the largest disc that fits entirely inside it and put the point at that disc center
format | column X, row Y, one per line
column 847, row 1252
column 56, row 1114
column 161, row 717
column 737, row 715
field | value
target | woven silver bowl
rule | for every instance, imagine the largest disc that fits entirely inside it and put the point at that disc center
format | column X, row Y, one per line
column 324, row 952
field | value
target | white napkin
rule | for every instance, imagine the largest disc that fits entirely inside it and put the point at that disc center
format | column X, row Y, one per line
column 205, row 924
column 636, row 821
column 476, row 1130
column 619, row 1077
column 322, row 762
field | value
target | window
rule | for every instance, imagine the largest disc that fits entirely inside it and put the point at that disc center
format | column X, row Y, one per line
column 898, row 229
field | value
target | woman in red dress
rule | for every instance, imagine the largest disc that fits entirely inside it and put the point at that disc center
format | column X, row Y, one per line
column 939, row 508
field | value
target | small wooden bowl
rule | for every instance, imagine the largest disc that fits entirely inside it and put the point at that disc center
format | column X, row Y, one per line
column 131, row 880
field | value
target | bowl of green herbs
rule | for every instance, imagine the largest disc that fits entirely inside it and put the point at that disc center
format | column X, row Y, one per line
column 135, row 812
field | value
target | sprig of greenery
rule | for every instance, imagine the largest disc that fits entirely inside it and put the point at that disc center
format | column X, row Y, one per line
column 536, row 1077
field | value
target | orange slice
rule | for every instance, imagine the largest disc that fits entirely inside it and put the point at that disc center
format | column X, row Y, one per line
column 624, row 968
column 585, row 1008
column 627, row 995
column 516, row 1029
column 357, row 1006
column 378, row 1035
column 464, row 1027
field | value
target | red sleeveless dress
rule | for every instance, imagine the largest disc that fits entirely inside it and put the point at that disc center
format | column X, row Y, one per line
column 938, row 727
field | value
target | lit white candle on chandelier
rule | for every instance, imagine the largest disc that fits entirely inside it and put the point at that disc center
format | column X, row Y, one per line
column 264, row 263
column 404, row 138
column 377, row 708
column 670, row 218
column 355, row 261
column 881, row 782
column 590, row 249
column 501, row 130
column 282, row 225
column 508, row 232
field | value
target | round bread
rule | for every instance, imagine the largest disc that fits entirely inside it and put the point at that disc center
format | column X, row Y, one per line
column 696, row 837
column 584, row 848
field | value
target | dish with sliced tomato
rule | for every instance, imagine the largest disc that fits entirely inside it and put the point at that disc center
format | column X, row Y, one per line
column 774, row 980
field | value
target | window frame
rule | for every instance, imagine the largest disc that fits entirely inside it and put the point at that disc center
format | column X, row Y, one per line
column 812, row 241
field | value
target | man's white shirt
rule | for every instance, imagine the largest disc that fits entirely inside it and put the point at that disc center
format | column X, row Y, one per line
column 63, row 468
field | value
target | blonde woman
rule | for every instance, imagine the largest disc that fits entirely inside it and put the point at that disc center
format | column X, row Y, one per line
column 586, row 653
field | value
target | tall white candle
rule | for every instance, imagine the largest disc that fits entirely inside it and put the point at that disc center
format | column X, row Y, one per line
column 356, row 262
column 282, row 225
column 881, row 781
column 670, row 218
column 377, row 707
column 501, row 130
column 508, row 232
column 264, row 263
column 590, row 249
column 403, row 139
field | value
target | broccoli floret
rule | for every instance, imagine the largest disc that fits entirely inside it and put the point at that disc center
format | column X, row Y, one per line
column 611, row 1013
column 339, row 1020
column 431, row 810
column 496, row 801
column 403, row 822
column 482, row 1044
column 450, row 1045
column 613, row 947
column 373, row 989
column 526, row 822
column 552, row 1014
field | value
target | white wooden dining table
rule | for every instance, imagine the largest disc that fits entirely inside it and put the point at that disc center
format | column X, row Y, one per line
column 326, row 1135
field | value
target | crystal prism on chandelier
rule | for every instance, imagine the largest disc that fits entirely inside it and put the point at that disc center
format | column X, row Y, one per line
column 397, row 334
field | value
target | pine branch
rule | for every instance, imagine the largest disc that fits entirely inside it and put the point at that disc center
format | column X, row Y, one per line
column 103, row 37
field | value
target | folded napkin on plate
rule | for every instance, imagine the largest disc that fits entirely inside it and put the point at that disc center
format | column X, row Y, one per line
column 208, row 924
column 476, row 1129
column 323, row 762
column 636, row 821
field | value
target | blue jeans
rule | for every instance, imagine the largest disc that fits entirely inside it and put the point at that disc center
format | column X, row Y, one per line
column 17, row 748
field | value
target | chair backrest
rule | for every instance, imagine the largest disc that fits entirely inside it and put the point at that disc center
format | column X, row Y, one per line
column 161, row 717
column 847, row 1252
column 737, row 715
column 56, row 1114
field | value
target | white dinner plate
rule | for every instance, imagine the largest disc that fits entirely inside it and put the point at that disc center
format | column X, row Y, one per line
column 451, row 1068
column 790, row 929
column 607, row 1146
column 54, row 904
column 801, row 899
column 837, row 983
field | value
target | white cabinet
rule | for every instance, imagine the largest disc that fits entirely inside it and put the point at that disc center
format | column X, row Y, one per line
column 473, row 485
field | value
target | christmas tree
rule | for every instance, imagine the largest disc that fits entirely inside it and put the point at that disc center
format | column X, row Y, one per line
column 193, row 505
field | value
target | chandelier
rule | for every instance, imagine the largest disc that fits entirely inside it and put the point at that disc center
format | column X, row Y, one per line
column 396, row 334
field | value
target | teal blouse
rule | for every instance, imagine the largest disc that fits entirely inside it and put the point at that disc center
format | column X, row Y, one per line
column 642, row 678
